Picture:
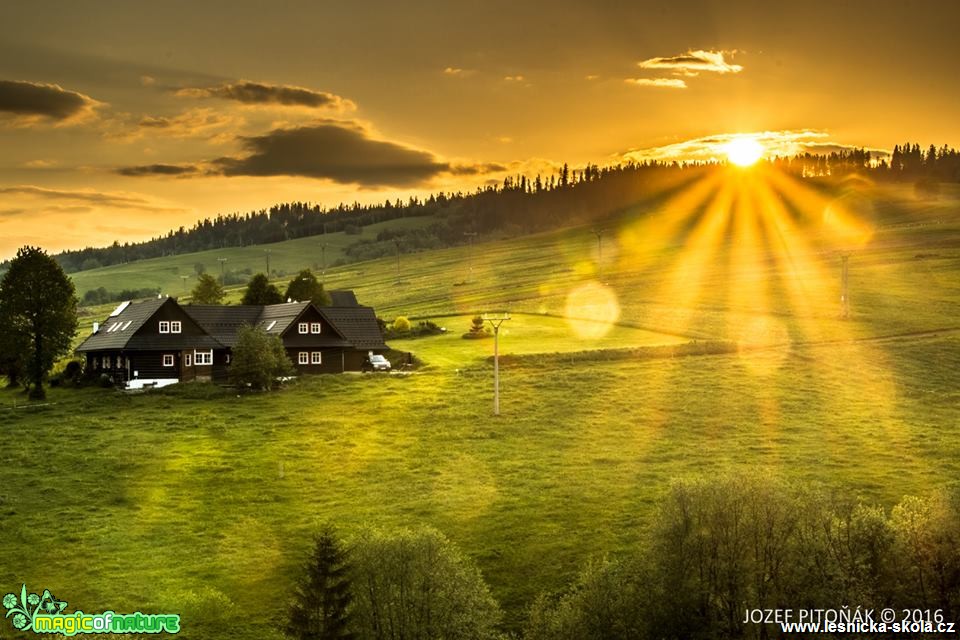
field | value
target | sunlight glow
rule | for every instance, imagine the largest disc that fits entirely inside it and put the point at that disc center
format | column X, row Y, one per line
column 744, row 152
column 591, row 310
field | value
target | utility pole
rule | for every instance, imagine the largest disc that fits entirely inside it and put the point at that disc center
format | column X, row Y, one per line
column 495, row 320
column 599, row 234
column 844, row 286
column 223, row 263
column 267, row 252
column 471, row 235
column 184, row 278
column 397, row 242
column 323, row 264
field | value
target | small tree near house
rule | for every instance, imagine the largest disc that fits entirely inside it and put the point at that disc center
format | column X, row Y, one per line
column 259, row 360
column 208, row 290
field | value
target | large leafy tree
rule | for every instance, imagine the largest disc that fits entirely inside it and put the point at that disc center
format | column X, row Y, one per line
column 258, row 359
column 306, row 287
column 208, row 290
column 260, row 291
column 321, row 608
column 38, row 314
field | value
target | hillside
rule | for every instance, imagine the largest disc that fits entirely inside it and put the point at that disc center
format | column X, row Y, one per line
column 866, row 406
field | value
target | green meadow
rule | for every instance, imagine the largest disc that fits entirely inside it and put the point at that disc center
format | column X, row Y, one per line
column 200, row 501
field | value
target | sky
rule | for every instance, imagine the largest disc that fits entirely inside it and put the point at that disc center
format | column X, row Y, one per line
column 120, row 121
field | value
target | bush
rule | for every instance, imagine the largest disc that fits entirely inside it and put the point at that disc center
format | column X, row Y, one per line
column 418, row 582
column 259, row 359
column 477, row 330
column 401, row 324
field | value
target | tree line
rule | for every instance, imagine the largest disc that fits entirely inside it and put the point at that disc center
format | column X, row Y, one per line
column 517, row 204
column 719, row 548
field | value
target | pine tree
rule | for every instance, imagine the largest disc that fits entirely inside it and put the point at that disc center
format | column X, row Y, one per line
column 323, row 598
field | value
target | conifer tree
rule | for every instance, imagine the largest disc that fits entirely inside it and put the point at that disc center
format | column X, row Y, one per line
column 322, row 608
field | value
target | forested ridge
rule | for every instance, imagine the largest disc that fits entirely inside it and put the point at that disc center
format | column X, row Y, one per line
column 518, row 204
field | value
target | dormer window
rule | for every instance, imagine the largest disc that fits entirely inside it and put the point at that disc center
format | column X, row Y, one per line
column 164, row 326
column 314, row 327
column 303, row 328
column 175, row 326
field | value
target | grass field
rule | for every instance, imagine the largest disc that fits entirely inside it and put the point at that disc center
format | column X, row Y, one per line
column 200, row 501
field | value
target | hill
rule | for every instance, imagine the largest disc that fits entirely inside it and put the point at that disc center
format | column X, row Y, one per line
column 211, row 496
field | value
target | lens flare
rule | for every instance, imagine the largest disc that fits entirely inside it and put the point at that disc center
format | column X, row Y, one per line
column 591, row 310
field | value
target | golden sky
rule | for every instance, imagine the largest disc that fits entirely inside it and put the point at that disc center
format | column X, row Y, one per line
column 119, row 120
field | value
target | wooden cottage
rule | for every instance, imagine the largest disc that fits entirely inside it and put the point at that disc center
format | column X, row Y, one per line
column 159, row 341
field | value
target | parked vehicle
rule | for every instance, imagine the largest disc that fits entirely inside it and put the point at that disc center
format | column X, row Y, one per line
column 376, row 362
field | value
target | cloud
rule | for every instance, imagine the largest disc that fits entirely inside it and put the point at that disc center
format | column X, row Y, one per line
column 776, row 143
column 39, row 164
column 664, row 83
column 477, row 168
column 458, row 72
column 100, row 198
column 517, row 78
column 693, row 62
column 258, row 93
column 344, row 152
column 32, row 102
column 175, row 170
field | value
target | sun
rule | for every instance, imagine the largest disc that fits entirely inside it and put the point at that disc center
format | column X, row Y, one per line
column 744, row 152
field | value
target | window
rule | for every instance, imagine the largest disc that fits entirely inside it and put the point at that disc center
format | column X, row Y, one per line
column 203, row 357
column 272, row 324
column 175, row 326
column 227, row 358
column 165, row 327
column 303, row 357
column 168, row 359
column 105, row 362
column 315, row 358
column 187, row 359
column 303, row 327
column 119, row 362
column 125, row 325
column 314, row 327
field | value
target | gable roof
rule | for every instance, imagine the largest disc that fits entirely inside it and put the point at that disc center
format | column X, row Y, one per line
column 354, row 325
column 357, row 324
column 134, row 313
column 343, row 298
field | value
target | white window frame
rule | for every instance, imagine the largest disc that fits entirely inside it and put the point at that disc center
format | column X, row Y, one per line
column 168, row 359
column 188, row 359
column 164, row 326
column 226, row 358
column 176, row 326
column 105, row 362
column 316, row 357
column 203, row 358
column 303, row 328
column 119, row 363
column 303, row 357
column 315, row 327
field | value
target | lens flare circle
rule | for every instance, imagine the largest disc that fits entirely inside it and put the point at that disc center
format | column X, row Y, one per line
column 744, row 152
column 592, row 310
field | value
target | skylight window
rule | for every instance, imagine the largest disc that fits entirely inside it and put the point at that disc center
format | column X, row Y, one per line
column 123, row 305
column 125, row 325
column 272, row 324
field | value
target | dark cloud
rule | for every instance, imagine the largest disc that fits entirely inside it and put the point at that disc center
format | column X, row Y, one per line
column 340, row 151
column 37, row 100
column 477, row 169
column 158, row 170
column 260, row 93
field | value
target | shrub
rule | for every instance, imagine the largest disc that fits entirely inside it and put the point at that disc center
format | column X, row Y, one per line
column 417, row 584
column 259, row 359
column 477, row 330
column 401, row 324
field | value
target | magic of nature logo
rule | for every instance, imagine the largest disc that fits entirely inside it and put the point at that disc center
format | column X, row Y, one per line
column 44, row 613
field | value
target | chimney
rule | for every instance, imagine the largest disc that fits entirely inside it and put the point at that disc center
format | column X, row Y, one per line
column 96, row 327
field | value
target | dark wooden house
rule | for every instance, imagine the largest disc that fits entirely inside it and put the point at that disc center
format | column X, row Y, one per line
column 160, row 341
